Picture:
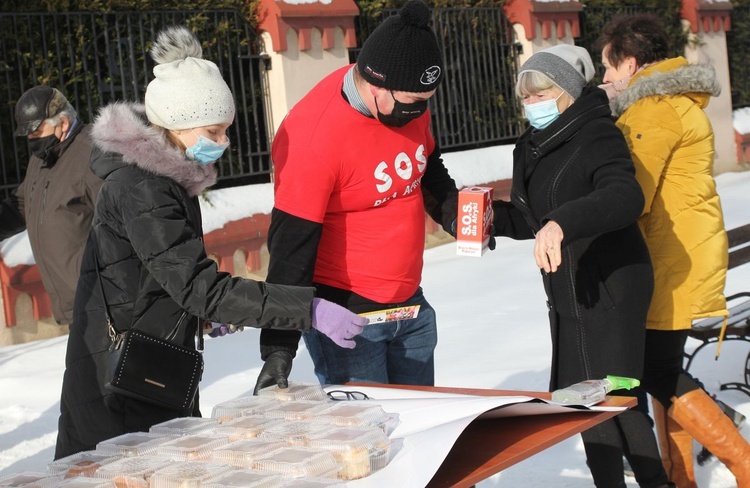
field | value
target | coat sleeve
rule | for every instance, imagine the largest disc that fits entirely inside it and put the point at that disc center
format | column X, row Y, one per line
column 616, row 200
column 508, row 221
column 156, row 221
column 293, row 246
column 652, row 140
column 439, row 192
column 93, row 183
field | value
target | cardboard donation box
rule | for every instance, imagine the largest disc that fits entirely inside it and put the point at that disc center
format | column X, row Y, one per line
column 473, row 221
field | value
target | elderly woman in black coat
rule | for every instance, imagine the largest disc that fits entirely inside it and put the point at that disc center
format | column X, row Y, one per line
column 574, row 191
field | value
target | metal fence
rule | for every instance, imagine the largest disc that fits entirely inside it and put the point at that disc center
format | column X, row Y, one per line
column 95, row 58
column 738, row 39
column 592, row 19
column 476, row 105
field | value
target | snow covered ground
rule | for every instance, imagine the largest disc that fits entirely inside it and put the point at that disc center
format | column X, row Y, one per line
column 493, row 334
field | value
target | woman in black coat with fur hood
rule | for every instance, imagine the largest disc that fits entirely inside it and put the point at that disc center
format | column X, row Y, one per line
column 146, row 246
column 574, row 191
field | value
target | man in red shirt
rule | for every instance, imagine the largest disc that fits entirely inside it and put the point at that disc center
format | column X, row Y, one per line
column 356, row 168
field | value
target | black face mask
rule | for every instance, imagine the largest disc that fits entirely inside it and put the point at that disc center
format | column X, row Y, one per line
column 402, row 113
column 41, row 146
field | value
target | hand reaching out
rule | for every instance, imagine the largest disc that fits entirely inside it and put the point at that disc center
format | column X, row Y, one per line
column 219, row 330
column 548, row 247
column 275, row 371
column 336, row 322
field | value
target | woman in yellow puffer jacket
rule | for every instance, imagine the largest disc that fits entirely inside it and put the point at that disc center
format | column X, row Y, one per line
column 659, row 103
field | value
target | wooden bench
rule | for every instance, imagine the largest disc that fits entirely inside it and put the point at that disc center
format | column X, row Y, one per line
column 738, row 323
column 738, row 329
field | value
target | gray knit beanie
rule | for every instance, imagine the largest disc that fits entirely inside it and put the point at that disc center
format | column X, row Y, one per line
column 569, row 67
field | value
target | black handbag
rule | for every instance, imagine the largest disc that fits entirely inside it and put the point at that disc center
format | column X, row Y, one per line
column 152, row 369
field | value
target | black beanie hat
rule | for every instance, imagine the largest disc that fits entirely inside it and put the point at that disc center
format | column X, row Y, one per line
column 402, row 53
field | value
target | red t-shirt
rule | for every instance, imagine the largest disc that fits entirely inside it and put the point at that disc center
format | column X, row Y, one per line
column 360, row 179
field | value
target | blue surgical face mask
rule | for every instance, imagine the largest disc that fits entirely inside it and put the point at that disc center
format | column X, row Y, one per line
column 542, row 114
column 206, row 151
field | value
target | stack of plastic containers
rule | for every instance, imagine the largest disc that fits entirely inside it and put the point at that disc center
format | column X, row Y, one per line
column 294, row 437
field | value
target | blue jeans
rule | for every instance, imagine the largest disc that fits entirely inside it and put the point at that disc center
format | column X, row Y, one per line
column 400, row 352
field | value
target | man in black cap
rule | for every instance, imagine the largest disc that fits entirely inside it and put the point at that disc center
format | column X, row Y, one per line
column 356, row 167
column 55, row 201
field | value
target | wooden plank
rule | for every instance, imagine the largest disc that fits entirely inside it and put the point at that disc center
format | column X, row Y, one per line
column 488, row 446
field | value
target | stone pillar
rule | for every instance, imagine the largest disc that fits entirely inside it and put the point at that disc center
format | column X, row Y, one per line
column 539, row 25
column 305, row 42
column 707, row 22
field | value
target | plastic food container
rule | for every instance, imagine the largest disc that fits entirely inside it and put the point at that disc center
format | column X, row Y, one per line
column 299, row 462
column 31, row 479
column 132, row 444
column 243, row 453
column 314, row 483
column 359, row 450
column 244, row 427
column 80, row 464
column 135, row 468
column 194, row 447
column 242, row 407
column 82, row 482
column 183, row 426
column 347, row 414
column 297, row 410
column 295, row 391
column 294, row 433
column 186, row 475
column 246, row 478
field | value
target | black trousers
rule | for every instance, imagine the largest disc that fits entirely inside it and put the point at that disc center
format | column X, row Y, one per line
column 664, row 376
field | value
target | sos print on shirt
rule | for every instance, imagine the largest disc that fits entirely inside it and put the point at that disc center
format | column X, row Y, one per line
column 403, row 169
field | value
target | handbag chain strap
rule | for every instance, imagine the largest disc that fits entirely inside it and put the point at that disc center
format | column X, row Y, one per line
column 116, row 336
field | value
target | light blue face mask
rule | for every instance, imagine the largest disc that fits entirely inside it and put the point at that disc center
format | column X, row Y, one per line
column 206, row 151
column 542, row 114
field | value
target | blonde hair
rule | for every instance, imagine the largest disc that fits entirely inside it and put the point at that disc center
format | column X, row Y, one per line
column 532, row 82
column 171, row 137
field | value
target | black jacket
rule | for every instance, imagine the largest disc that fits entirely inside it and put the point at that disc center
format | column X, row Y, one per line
column 578, row 172
column 148, row 241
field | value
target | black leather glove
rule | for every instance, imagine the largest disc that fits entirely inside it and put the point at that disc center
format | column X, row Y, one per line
column 275, row 371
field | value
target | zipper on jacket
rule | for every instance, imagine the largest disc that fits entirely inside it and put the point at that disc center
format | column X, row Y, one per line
column 568, row 256
column 44, row 202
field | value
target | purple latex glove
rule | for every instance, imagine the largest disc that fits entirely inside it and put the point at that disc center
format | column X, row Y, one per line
column 336, row 322
column 220, row 330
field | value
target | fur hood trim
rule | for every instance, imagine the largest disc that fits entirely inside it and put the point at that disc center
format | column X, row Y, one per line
column 686, row 79
column 122, row 128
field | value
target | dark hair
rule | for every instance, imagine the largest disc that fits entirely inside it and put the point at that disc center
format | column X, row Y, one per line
column 641, row 36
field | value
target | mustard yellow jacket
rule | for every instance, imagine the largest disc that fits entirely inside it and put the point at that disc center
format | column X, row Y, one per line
column 672, row 145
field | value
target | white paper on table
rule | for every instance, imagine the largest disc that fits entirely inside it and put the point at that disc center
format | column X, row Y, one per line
column 430, row 423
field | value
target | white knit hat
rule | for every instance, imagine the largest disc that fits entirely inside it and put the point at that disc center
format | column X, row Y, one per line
column 187, row 91
column 569, row 67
